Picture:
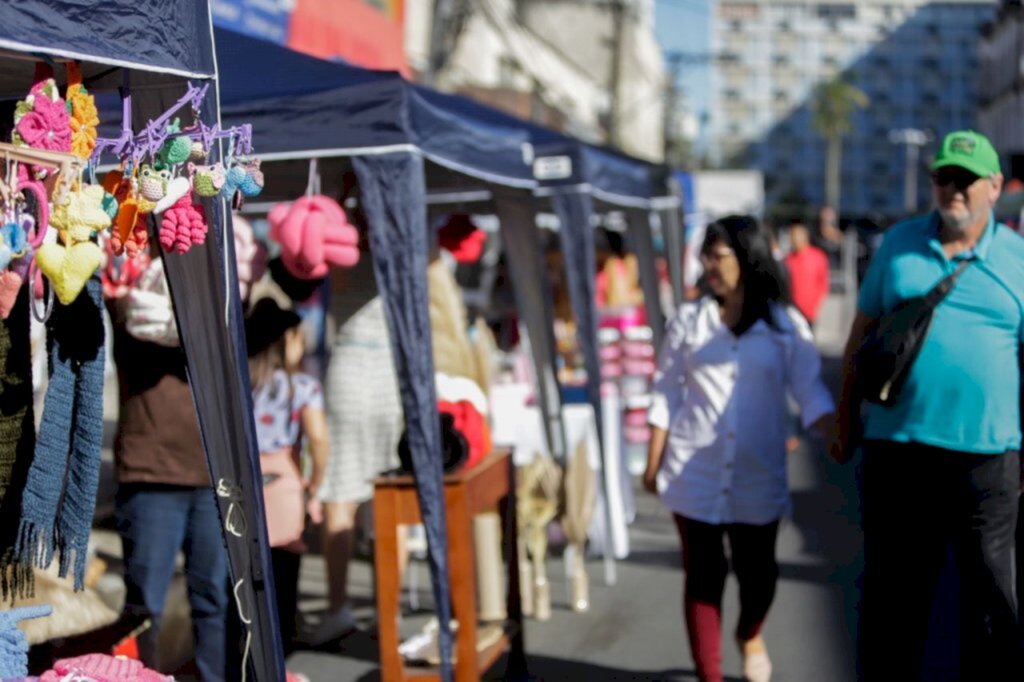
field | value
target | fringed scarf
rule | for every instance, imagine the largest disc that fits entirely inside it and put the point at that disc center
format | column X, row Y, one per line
column 60, row 495
column 17, row 442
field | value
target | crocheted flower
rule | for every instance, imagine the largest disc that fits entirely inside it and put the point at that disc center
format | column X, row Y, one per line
column 41, row 120
column 84, row 119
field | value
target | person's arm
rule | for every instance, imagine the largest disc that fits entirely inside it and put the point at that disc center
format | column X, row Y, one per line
column 804, row 378
column 666, row 393
column 314, row 426
column 870, row 306
column 824, row 283
column 849, row 401
column 655, row 451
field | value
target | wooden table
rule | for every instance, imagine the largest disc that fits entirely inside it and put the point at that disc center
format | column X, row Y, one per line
column 482, row 488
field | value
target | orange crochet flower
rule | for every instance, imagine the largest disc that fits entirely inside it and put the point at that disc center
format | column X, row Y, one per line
column 84, row 116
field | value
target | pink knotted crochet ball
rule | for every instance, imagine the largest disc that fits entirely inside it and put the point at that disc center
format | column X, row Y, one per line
column 314, row 234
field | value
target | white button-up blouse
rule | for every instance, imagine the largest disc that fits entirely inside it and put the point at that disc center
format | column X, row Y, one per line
column 723, row 401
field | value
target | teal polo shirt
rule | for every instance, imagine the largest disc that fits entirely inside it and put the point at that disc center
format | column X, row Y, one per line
column 963, row 392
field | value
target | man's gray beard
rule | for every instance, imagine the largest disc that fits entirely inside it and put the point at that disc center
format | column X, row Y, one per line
column 958, row 226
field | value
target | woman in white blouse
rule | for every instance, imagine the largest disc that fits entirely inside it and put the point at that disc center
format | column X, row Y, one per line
column 717, row 456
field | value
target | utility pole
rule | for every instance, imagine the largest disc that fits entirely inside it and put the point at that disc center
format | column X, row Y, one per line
column 677, row 60
column 914, row 139
column 675, row 69
column 444, row 30
column 618, row 14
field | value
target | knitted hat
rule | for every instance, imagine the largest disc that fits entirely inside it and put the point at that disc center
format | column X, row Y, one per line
column 266, row 323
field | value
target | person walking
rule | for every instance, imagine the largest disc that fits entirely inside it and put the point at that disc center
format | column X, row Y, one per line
column 364, row 417
column 288, row 407
column 719, row 421
column 807, row 266
column 164, row 499
column 941, row 464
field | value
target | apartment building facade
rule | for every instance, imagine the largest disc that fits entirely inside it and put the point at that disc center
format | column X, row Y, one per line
column 552, row 61
column 1001, row 88
column 916, row 61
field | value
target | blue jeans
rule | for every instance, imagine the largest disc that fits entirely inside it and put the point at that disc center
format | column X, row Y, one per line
column 155, row 521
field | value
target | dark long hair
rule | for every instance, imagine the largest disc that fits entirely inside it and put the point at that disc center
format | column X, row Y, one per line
column 759, row 272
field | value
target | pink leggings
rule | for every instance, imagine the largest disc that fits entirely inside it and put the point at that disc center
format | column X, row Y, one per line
column 706, row 567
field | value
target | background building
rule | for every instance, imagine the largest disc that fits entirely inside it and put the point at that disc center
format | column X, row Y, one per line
column 917, row 62
column 1001, row 96
column 602, row 81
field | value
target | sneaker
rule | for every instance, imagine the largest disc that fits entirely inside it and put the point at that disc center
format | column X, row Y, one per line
column 757, row 667
column 334, row 625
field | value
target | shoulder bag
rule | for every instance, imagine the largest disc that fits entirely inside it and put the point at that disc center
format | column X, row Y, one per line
column 893, row 342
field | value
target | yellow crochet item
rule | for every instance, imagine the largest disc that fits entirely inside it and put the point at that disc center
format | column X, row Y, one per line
column 70, row 265
column 81, row 216
column 84, row 116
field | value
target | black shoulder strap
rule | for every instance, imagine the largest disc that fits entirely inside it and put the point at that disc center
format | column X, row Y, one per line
column 934, row 297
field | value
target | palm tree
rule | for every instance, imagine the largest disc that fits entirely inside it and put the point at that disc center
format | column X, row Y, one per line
column 833, row 106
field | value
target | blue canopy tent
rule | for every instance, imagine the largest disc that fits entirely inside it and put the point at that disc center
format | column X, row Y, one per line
column 402, row 138
column 155, row 45
column 397, row 136
column 580, row 179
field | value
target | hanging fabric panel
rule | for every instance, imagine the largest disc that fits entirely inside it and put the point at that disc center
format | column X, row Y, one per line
column 532, row 288
column 639, row 222
column 393, row 195
column 204, row 286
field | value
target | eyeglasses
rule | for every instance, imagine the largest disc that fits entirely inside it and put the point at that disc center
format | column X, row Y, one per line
column 716, row 256
column 961, row 178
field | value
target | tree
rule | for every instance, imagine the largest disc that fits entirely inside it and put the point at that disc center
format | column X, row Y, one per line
column 832, row 107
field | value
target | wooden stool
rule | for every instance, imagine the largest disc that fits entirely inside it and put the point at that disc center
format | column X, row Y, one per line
column 467, row 492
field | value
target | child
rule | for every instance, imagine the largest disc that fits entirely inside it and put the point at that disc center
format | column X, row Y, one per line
column 288, row 406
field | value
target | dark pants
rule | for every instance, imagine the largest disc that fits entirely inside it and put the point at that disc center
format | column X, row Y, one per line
column 752, row 549
column 918, row 502
column 286, row 587
column 155, row 521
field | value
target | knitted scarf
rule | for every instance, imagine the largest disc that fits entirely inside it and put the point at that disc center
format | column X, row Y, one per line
column 60, row 494
column 17, row 442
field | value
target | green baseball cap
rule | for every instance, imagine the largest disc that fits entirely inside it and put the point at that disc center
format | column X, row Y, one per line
column 970, row 150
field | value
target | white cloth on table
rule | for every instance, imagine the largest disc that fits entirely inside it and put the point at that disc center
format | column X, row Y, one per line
column 723, row 400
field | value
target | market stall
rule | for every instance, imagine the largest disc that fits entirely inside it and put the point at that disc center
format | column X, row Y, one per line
column 150, row 50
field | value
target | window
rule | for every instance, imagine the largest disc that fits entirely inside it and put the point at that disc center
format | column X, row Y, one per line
column 508, row 72
column 837, row 11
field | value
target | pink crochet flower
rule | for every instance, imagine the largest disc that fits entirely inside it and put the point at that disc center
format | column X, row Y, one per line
column 47, row 125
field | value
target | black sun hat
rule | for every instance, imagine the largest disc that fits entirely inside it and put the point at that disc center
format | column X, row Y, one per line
column 266, row 323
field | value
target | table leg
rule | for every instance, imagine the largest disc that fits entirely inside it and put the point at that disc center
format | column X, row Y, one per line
column 462, row 570
column 385, row 556
column 516, row 669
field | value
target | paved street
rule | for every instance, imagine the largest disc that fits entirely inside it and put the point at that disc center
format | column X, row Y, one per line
column 634, row 629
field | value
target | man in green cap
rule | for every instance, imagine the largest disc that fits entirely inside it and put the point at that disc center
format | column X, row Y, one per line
column 941, row 464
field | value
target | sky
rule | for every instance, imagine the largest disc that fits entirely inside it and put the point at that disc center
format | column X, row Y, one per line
column 685, row 26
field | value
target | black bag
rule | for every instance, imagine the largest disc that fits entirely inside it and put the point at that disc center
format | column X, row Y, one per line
column 455, row 448
column 892, row 343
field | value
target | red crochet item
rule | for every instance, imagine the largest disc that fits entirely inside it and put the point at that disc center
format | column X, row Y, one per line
column 103, row 668
column 462, row 239
column 183, row 225
column 473, row 427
